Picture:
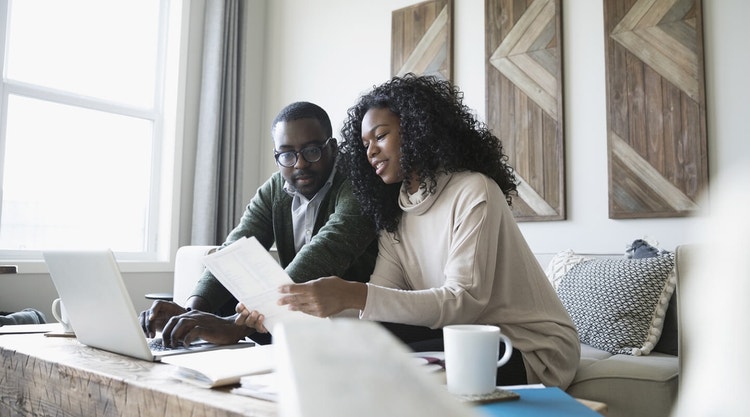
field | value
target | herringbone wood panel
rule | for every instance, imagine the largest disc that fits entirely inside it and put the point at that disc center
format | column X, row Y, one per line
column 658, row 159
column 421, row 39
column 524, row 100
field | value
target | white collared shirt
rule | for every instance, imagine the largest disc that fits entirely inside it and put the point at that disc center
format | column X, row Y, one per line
column 304, row 211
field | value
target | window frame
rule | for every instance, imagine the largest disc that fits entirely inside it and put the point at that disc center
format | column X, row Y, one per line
column 167, row 116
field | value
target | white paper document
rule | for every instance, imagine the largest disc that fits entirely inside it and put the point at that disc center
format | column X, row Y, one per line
column 250, row 273
column 222, row 367
column 263, row 386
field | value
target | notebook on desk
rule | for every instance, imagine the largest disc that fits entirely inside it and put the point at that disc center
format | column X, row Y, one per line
column 101, row 312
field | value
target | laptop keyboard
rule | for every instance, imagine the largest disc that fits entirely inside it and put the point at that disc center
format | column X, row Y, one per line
column 156, row 345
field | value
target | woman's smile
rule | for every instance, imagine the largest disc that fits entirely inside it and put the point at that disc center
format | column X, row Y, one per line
column 382, row 141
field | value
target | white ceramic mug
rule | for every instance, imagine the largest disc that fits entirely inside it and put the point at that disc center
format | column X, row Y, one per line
column 58, row 310
column 471, row 352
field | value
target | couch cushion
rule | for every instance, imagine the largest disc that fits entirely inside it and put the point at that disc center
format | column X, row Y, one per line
column 618, row 305
column 642, row 386
column 597, row 364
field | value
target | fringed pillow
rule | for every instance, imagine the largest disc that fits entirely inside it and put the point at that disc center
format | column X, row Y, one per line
column 618, row 305
column 560, row 264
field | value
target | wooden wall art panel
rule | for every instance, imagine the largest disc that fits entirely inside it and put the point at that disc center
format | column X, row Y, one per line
column 422, row 39
column 523, row 42
column 656, row 121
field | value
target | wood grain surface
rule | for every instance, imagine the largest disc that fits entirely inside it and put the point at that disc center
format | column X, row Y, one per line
column 657, row 147
column 45, row 376
column 525, row 102
column 421, row 39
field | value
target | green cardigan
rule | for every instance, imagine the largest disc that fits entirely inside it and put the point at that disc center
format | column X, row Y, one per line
column 344, row 241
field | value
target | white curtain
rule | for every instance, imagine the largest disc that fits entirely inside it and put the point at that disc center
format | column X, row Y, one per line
column 217, row 192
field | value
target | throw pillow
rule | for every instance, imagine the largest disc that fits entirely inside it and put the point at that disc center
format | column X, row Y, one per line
column 618, row 305
column 560, row 264
column 668, row 341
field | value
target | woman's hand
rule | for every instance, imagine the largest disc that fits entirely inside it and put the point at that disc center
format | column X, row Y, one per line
column 324, row 297
column 249, row 318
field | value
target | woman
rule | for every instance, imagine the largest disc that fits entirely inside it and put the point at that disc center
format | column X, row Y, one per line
column 437, row 185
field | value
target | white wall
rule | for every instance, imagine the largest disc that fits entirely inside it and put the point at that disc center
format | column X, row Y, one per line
column 727, row 84
column 330, row 51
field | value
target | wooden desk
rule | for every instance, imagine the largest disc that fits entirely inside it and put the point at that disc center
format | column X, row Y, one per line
column 58, row 376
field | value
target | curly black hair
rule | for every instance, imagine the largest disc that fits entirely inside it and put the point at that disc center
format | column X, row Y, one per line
column 438, row 134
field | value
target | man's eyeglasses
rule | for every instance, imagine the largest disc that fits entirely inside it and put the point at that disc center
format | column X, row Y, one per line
column 311, row 154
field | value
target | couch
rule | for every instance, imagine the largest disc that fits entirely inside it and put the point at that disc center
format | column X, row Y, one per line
column 640, row 385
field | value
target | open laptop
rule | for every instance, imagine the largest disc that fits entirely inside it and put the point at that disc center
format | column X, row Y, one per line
column 101, row 312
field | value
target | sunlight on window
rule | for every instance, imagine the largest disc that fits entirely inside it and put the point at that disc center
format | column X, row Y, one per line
column 73, row 177
column 85, row 108
column 95, row 48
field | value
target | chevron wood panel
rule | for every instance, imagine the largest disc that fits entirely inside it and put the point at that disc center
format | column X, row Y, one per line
column 422, row 39
column 524, row 100
column 658, row 158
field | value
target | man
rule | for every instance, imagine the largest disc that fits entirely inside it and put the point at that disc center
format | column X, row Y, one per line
column 306, row 208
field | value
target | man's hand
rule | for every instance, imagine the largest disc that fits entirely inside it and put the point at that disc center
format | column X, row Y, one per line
column 155, row 318
column 250, row 318
column 192, row 325
column 324, row 297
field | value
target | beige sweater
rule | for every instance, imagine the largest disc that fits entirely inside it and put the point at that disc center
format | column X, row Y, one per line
column 460, row 257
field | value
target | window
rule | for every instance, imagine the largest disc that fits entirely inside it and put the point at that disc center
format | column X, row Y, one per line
column 87, row 125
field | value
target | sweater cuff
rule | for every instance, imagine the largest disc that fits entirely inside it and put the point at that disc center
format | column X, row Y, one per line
column 371, row 303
